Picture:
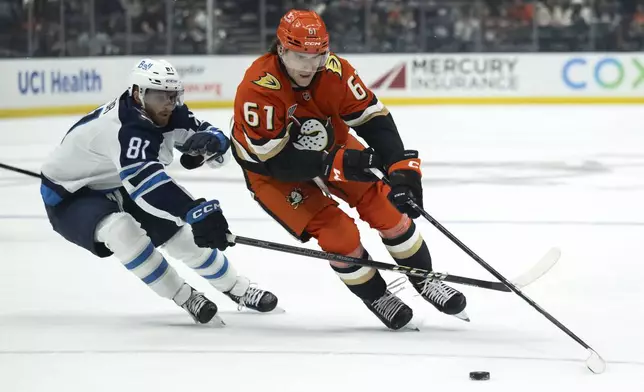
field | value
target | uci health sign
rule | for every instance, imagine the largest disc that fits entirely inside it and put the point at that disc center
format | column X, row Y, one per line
column 59, row 85
column 604, row 75
column 40, row 81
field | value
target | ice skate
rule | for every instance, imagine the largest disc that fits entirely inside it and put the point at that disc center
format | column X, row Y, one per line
column 201, row 309
column 247, row 295
column 390, row 309
column 444, row 298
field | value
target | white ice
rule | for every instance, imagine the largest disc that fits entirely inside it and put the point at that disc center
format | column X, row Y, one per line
column 510, row 182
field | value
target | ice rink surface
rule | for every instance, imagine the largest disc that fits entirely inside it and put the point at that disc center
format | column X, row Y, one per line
column 510, row 182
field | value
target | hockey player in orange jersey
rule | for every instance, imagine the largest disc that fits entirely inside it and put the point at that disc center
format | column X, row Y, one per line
column 293, row 111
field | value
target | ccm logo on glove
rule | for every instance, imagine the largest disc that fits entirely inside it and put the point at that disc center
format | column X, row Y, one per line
column 203, row 210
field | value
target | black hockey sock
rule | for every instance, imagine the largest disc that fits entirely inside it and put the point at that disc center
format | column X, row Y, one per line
column 410, row 250
column 365, row 282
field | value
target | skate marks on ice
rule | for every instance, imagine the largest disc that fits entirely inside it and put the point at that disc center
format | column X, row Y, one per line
column 288, row 358
column 256, row 333
column 247, row 371
column 284, row 353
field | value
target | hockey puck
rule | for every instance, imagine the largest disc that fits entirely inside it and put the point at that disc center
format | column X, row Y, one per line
column 479, row 376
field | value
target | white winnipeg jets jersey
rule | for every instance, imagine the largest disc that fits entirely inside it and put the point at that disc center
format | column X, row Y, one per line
column 118, row 146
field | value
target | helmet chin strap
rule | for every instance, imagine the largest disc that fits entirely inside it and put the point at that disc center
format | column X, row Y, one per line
column 280, row 53
column 142, row 97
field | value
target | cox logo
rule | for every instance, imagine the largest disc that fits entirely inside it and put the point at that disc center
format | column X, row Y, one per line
column 606, row 73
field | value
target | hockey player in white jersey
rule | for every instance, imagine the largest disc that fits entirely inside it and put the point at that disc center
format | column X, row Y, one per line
column 105, row 189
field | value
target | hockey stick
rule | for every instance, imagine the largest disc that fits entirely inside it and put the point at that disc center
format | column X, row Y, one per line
column 523, row 280
column 538, row 270
column 594, row 362
column 235, row 239
column 19, row 170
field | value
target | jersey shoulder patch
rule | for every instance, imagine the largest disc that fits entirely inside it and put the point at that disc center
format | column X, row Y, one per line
column 109, row 106
column 334, row 65
column 268, row 81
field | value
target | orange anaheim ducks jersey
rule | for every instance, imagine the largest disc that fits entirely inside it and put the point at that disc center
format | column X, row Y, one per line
column 265, row 100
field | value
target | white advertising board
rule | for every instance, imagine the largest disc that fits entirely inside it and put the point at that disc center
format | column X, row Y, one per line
column 578, row 77
column 50, row 86
column 47, row 86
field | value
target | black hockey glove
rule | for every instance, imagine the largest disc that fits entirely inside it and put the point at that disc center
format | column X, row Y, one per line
column 209, row 226
column 405, row 178
column 344, row 164
column 206, row 143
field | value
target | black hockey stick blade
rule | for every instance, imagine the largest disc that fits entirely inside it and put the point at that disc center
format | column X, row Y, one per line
column 367, row 263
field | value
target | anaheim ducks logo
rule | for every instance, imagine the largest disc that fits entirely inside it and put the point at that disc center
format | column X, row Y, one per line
column 313, row 135
column 334, row 65
column 296, row 197
column 268, row 81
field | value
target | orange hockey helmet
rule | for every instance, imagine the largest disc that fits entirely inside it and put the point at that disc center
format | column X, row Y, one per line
column 303, row 31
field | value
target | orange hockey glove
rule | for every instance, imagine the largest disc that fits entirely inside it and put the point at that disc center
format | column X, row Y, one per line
column 344, row 164
column 405, row 178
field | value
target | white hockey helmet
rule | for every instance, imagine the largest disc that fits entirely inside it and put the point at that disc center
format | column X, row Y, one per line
column 158, row 76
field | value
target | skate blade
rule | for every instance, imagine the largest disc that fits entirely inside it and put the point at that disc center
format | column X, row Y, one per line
column 409, row 327
column 277, row 310
column 462, row 316
column 216, row 322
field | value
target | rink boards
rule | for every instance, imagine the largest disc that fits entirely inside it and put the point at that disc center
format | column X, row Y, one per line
column 36, row 87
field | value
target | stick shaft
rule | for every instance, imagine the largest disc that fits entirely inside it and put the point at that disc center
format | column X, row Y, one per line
column 19, row 170
column 488, row 267
column 497, row 275
column 367, row 263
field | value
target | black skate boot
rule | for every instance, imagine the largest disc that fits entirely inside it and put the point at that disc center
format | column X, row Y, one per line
column 444, row 298
column 200, row 308
column 391, row 310
column 247, row 295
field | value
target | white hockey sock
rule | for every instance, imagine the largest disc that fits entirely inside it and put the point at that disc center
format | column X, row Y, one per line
column 123, row 235
column 211, row 264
